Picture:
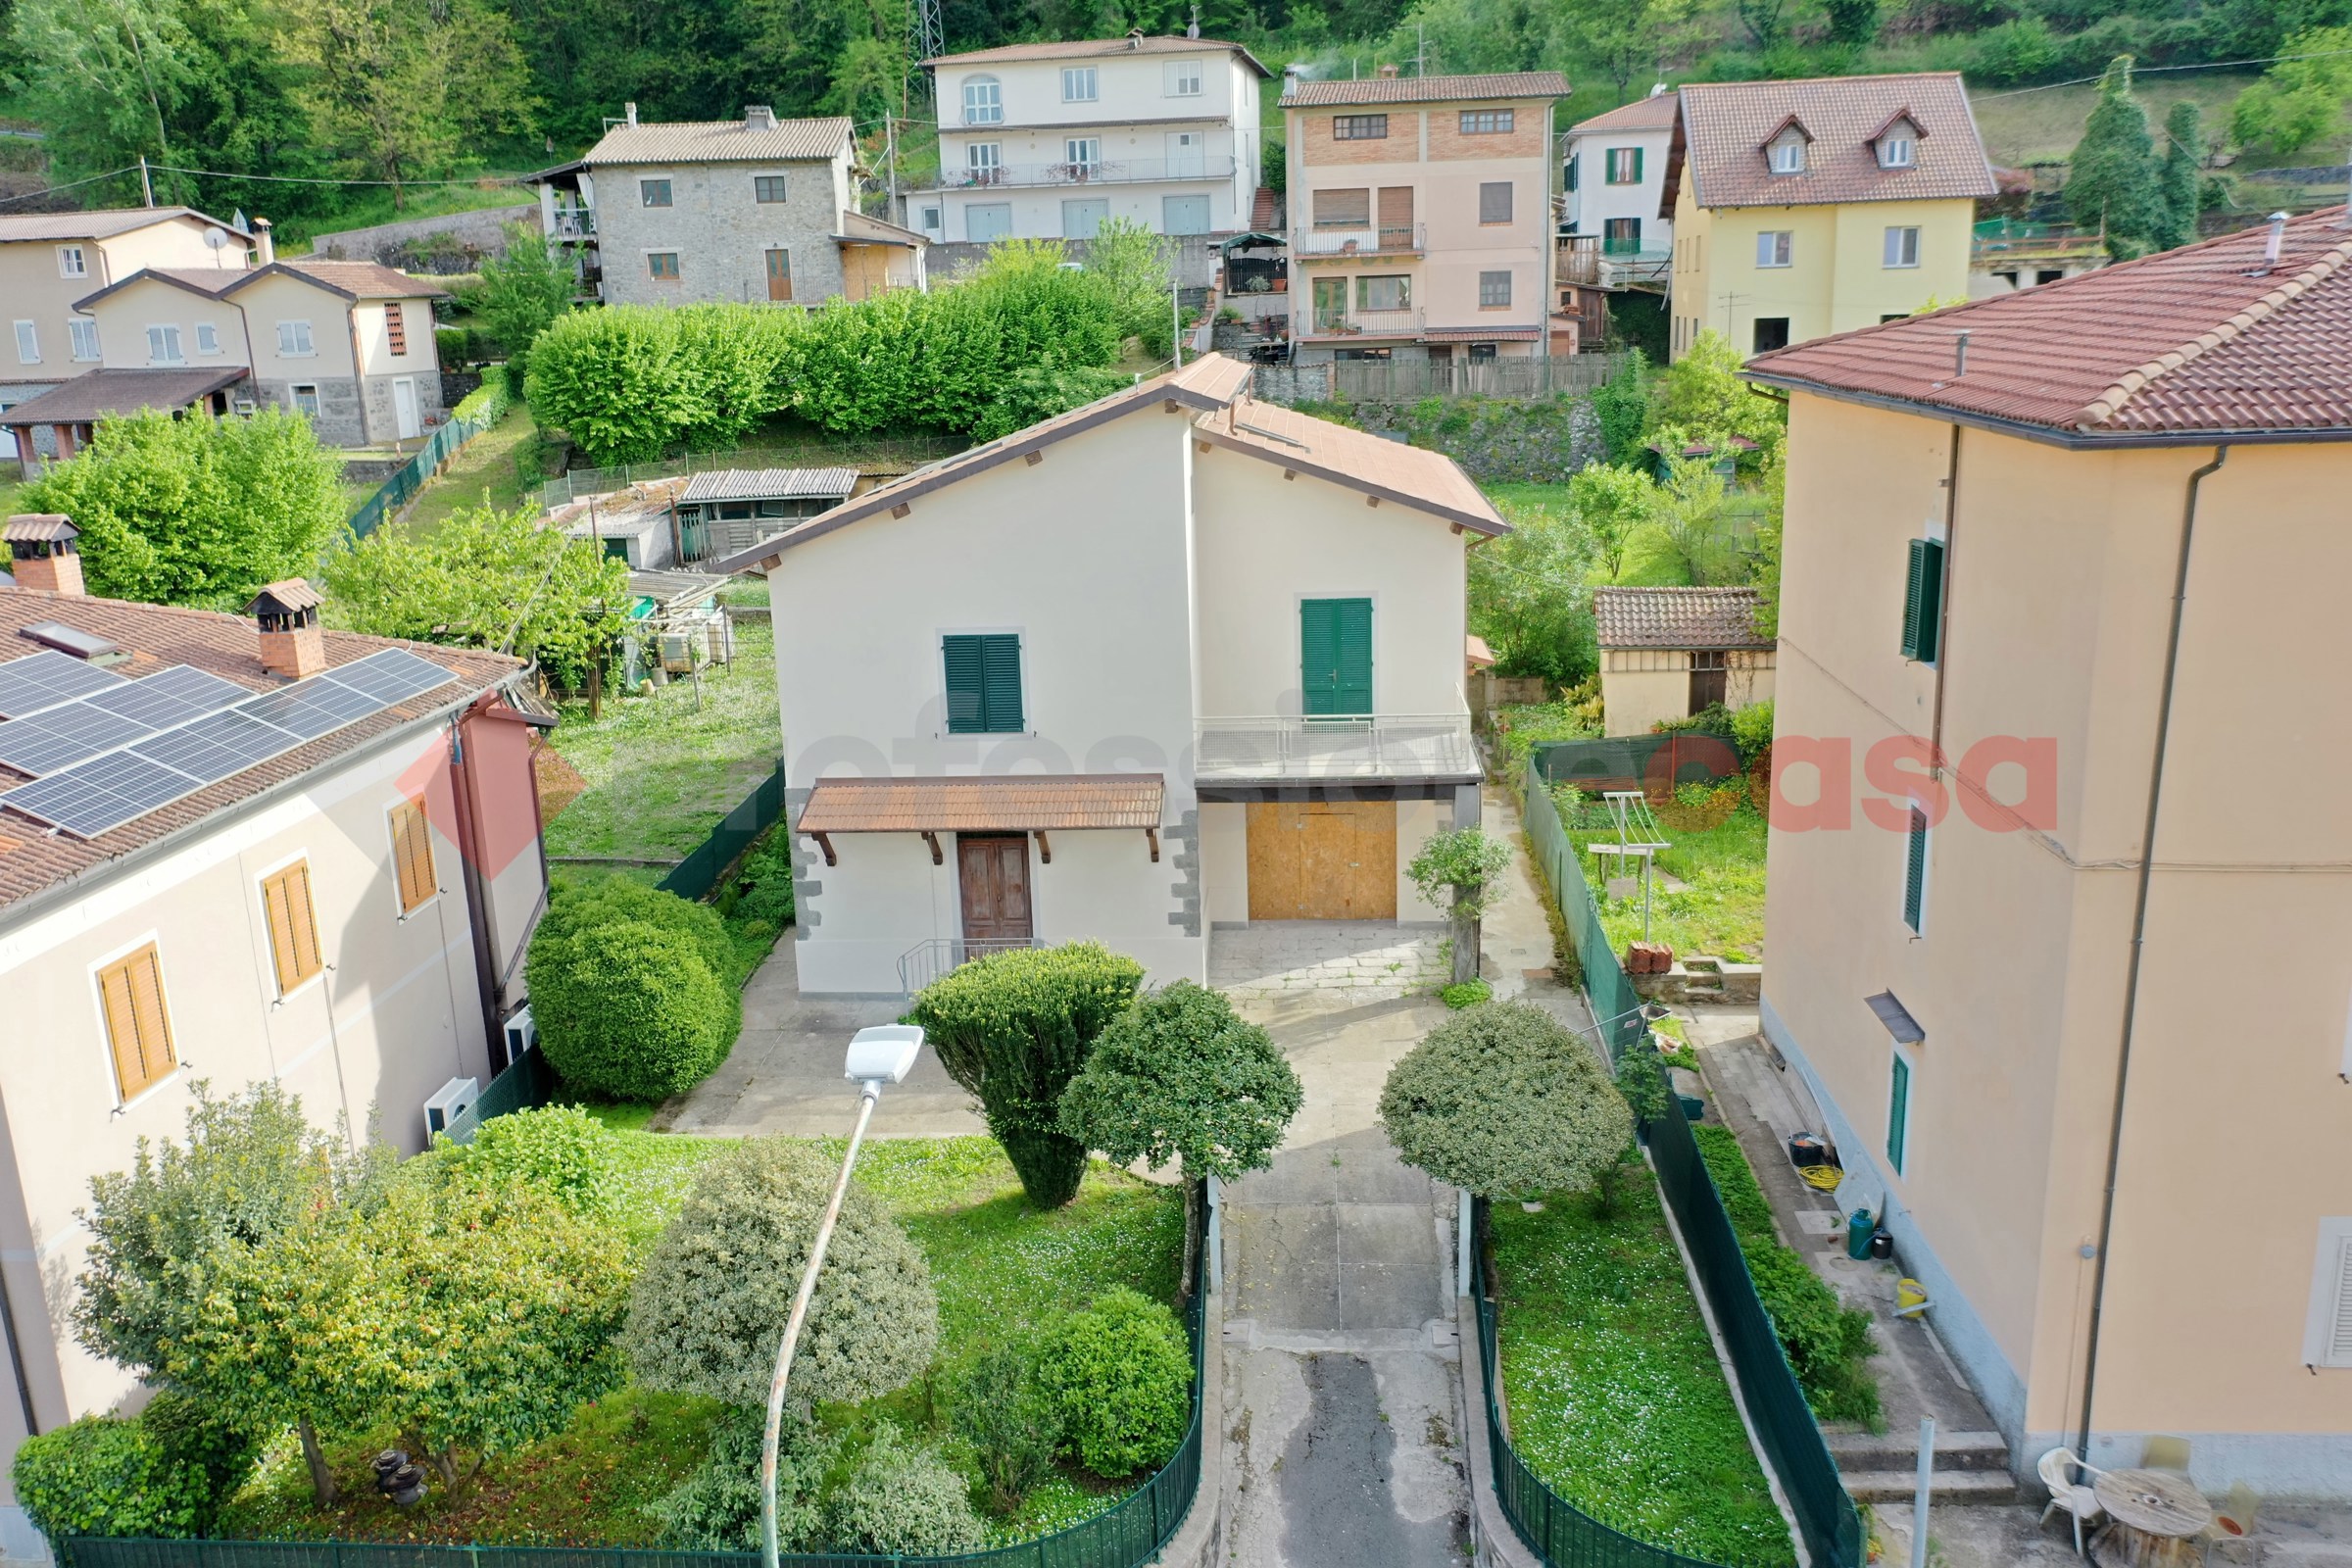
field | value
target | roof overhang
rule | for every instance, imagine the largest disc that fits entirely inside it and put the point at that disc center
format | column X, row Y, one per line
column 1018, row 802
column 2074, row 440
column 75, row 402
column 1896, row 1017
column 148, row 274
column 1298, row 462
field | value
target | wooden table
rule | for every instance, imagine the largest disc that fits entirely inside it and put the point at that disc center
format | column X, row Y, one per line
column 2157, row 1516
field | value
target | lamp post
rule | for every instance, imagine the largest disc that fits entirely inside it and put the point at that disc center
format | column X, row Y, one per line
column 882, row 1054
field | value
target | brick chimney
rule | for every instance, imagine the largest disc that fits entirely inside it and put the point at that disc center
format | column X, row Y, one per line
column 42, row 553
column 758, row 116
column 288, row 614
column 265, row 243
column 1387, row 72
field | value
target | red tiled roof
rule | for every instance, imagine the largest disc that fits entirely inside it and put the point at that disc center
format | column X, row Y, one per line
column 1654, row 113
column 1677, row 618
column 2204, row 339
column 155, row 636
column 1095, row 49
column 1390, row 470
column 1428, row 89
column 1005, row 804
column 1725, row 125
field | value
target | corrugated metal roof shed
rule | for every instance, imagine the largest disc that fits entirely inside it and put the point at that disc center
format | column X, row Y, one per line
column 771, row 485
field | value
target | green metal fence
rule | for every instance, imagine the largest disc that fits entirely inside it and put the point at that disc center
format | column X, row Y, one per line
column 1616, row 1005
column 695, row 876
column 527, row 1084
column 1125, row 1535
column 1651, row 762
column 410, row 477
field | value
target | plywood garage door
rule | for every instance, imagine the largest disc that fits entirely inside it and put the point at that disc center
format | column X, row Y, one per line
column 1323, row 861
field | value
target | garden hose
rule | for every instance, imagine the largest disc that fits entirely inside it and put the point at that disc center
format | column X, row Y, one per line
column 1823, row 1177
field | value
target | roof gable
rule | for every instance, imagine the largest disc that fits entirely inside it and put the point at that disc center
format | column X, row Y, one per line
column 722, row 141
column 1678, row 618
column 1722, row 126
column 198, row 281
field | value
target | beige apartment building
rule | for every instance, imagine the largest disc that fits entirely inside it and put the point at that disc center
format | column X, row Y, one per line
column 2078, row 1002
column 302, row 856
column 1421, row 215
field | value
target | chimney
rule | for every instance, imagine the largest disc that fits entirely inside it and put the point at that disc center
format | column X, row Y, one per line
column 629, row 112
column 288, row 615
column 265, row 243
column 1960, row 354
column 758, row 116
column 42, row 554
column 1387, row 72
column 2273, row 241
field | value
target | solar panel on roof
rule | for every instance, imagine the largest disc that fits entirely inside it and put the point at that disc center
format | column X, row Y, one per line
column 59, row 737
column 171, row 697
column 41, row 680
column 309, row 708
column 217, row 745
column 392, row 676
column 102, row 792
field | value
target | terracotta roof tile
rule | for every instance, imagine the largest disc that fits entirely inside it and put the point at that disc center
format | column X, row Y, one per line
column 1428, row 89
column 2201, row 339
column 1412, row 477
column 227, row 646
column 110, row 390
column 1677, row 618
column 1654, row 113
column 1002, row 804
column 367, row 280
column 1093, row 49
column 1725, row 125
column 104, row 223
column 720, row 141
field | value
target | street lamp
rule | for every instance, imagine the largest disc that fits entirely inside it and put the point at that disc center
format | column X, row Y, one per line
column 881, row 1055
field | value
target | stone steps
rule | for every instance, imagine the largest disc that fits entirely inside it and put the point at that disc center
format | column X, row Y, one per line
column 1950, row 1488
column 1970, row 1467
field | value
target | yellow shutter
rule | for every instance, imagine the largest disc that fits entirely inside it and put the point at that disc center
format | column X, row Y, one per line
column 293, row 926
column 413, row 854
column 138, row 1027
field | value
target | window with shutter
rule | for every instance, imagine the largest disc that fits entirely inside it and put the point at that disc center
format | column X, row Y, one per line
column 984, row 683
column 396, row 329
column 2338, row 1349
column 1335, row 657
column 293, row 925
column 1898, row 1112
column 139, row 1028
column 1915, row 870
column 413, row 854
column 1923, row 600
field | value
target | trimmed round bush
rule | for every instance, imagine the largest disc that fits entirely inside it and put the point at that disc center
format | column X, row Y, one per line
column 1504, row 1100
column 606, row 899
column 711, row 1304
column 1121, row 1373
column 631, row 1010
column 1181, row 1075
column 559, row 1150
column 716, row 1508
column 106, row 1476
column 902, row 1499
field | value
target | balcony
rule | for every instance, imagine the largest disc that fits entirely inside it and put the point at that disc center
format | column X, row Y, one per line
column 1373, row 746
column 1402, row 240
column 573, row 223
column 1105, row 172
column 1314, row 324
column 1597, row 263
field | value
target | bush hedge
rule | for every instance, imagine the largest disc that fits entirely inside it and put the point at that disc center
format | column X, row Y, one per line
column 559, row 1150
column 901, row 1499
column 716, row 1508
column 634, row 989
column 1505, row 1101
column 107, row 1476
column 1122, row 1374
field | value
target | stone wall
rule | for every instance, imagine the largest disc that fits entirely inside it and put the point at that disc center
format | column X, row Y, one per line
column 454, row 242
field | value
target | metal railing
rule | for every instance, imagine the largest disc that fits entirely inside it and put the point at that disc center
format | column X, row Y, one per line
column 928, row 960
column 899, row 453
column 410, row 477
column 577, row 222
column 1100, row 172
column 1362, row 239
column 1317, row 324
column 1369, row 746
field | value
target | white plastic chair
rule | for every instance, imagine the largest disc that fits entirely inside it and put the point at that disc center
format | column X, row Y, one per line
column 2058, row 1469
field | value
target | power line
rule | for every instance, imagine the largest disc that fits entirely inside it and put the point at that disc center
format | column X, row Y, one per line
column 305, row 179
column 2150, row 70
column 128, row 169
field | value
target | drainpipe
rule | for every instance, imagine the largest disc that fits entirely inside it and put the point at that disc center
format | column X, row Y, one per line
column 2139, row 927
column 1943, row 600
column 477, row 903
column 359, row 373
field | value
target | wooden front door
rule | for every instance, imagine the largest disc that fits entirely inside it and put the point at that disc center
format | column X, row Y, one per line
column 1322, row 860
column 993, row 869
column 779, row 275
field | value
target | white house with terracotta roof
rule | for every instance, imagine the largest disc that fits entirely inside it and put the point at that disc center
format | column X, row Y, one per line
column 1614, row 171
column 2059, row 899
column 1049, row 140
column 1173, row 661
column 1670, row 653
column 1806, row 208
column 232, row 849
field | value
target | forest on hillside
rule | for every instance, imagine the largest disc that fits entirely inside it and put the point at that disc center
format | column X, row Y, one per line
column 406, row 95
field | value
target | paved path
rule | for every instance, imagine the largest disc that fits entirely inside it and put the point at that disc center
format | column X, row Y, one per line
column 1350, row 961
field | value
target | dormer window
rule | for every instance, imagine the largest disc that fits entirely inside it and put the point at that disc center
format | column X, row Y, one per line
column 1789, row 155
column 1897, row 142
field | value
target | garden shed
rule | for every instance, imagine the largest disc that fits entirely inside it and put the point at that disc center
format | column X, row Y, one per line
column 1668, row 652
column 729, row 509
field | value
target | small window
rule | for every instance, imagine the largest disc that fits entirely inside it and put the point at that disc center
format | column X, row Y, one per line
column 767, row 189
column 1915, row 871
column 931, row 219
column 1483, row 351
column 1898, row 152
column 1494, row 201
column 1776, row 246
column 1359, row 128
column 138, row 1026
column 1077, row 84
column 29, row 343
column 1899, row 1111
column 1770, row 332
column 162, row 346
column 71, row 262
column 1625, row 166
column 208, row 338
column 1494, row 291
column 293, row 926
column 1184, row 78
column 396, row 327
column 1569, row 172
column 1344, row 209
column 1621, row 237
column 413, row 854
column 653, row 192
column 293, row 339
column 1487, row 122
column 984, row 684
column 1385, row 293
column 1789, row 156
column 2328, row 1341
column 1923, row 600
column 662, row 266
column 84, row 332
column 306, row 400
column 983, row 159
column 1902, row 246
column 983, row 101
column 1082, row 153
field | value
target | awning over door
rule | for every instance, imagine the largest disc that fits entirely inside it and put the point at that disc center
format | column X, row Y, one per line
column 1023, row 802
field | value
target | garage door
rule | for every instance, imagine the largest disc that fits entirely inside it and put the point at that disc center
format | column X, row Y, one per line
column 1323, row 861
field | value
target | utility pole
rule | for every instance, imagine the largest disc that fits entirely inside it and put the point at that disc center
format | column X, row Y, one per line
column 890, row 144
column 1420, row 50
column 146, row 181
column 1176, row 316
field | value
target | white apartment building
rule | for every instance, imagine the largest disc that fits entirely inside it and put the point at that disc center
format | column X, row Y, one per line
column 1052, row 141
column 1614, row 171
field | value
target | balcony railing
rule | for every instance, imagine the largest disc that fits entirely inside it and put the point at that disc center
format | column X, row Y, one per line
column 1104, row 171
column 1400, row 239
column 1373, row 746
column 577, row 222
column 1359, row 324
column 1600, row 263
column 926, row 961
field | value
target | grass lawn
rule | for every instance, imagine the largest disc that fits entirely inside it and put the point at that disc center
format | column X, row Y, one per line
column 1719, row 908
column 1616, row 1399
column 661, row 774
column 2042, row 125
column 10, row 489
column 501, row 465
column 1001, row 1268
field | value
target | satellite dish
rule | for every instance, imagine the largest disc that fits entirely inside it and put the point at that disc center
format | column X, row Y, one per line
column 214, row 240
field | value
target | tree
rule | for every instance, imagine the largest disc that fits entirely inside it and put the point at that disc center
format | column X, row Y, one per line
column 1610, row 504
column 1703, row 399
column 197, row 510
column 2111, row 181
column 2298, row 101
column 612, row 380
column 1527, row 595
column 1853, row 23
column 1621, row 408
column 2181, row 176
column 1134, row 266
column 1632, row 41
column 111, row 75
column 1014, row 1028
column 1505, row 1101
column 524, row 290
column 485, row 579
column 1461, row 863
column 1693, row 510
column 711, row 1304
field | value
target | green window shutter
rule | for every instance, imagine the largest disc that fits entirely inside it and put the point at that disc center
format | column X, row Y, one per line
column 1001, row 683
column 1636, row 180
column 967, row 708
column 1915, row 869
column 1923, row 600
column 1898, row 1112
column 1335, row 655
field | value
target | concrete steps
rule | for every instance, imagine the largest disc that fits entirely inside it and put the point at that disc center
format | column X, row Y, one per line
column 1970, row 1467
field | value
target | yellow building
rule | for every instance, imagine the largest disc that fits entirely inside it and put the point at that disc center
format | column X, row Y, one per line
column 2075, row 1000
column 1806, row 208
